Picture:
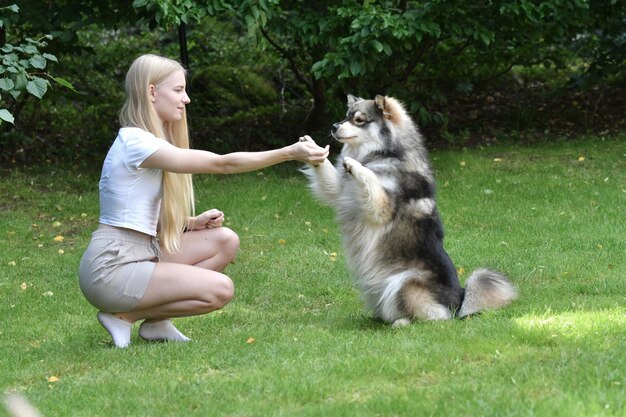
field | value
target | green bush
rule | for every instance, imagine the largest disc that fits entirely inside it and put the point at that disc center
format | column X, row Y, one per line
column 237, row 109
column 234, row 106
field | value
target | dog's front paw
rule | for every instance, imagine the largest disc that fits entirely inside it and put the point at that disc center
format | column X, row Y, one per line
column 349, row 164
column 306, row 138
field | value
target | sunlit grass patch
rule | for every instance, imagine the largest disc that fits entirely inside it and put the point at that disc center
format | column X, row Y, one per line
column 591, row 326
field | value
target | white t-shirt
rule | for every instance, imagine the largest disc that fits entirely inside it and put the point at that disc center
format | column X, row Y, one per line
column 130, row 196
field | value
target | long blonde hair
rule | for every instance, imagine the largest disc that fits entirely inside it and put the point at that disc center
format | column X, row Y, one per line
column 138, row 111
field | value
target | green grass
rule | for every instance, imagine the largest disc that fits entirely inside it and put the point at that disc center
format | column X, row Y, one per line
column 551, row 216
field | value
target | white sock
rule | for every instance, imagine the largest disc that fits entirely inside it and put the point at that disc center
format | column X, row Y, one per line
column 120, row 329
column 162, row 330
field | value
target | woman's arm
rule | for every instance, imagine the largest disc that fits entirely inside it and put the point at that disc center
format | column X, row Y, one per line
column 194, row 161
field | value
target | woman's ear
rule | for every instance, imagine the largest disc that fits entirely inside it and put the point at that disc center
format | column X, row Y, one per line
column 152, row 92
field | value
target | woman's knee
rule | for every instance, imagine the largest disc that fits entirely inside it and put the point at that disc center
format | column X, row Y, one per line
column 221, row 292
column 230, row 243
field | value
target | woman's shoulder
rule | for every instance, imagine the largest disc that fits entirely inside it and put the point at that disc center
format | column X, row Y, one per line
column 130, row 132
column 134, row 140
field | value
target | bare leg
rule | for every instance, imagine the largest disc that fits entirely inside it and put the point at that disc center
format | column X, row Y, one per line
column 210, row 249
column 187, row 283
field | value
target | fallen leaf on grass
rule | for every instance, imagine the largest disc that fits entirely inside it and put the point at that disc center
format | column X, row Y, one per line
column 332, row 256
column 59, row 238
column 250, row 340
column 282, row 241
column 24, row 286
column 12, row 263
column 53, row 379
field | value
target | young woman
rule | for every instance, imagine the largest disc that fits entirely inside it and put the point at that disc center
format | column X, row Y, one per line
column 127, row 272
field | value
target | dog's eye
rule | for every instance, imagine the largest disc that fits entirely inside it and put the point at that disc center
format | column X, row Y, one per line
column 360, row 120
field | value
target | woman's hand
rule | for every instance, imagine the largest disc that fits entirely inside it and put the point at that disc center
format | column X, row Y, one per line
column 207, row 220
column 307, row 151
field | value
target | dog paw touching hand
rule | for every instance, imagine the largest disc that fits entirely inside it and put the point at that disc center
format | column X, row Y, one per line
column 306, row 138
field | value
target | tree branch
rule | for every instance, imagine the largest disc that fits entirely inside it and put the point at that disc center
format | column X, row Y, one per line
column 289, row 57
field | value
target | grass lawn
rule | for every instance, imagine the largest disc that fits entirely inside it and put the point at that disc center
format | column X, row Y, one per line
column 295, row 340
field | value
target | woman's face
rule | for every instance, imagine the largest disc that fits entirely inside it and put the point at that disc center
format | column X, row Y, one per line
column 169, row 97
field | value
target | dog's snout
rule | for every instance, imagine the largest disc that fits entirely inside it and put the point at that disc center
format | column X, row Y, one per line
column 335, row 128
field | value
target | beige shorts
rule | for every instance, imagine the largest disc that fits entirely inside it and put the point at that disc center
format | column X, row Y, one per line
column 116, row 268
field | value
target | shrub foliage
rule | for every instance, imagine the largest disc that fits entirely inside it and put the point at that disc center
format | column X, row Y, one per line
column 263, row 72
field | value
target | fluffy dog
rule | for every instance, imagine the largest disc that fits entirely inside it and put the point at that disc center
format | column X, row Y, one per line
column 383, row 191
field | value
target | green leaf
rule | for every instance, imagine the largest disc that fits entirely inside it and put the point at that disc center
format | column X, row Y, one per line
column 6, row 84
column 29, row 49
column 8, row 59
column 6, row 116
column 64, row 83
column 355, row 68
column 50, row 57
column 485, row 38
column 20, row 82
column 378, row 46
column 37, row 87
column 38, row 62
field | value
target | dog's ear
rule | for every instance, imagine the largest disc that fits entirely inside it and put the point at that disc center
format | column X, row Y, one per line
column 380, row 103
column 392, row 109
column 352, row 99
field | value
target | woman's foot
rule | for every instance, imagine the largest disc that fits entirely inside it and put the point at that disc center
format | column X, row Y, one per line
column 162, row 330
column 119, row 329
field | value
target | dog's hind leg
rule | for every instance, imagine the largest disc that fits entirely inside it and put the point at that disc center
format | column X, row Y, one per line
column 376, row 201
column 418, row 302
column 389, row 307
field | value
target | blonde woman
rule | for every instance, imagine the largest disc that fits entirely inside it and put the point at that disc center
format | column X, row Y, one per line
column 151, row 259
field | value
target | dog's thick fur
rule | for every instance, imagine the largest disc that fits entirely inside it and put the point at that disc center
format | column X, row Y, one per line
column 383, row 191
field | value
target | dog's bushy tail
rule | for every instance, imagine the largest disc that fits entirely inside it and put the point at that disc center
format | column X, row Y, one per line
column 486, row 290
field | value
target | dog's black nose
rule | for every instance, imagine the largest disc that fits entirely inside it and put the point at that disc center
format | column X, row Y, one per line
column 334, row 128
